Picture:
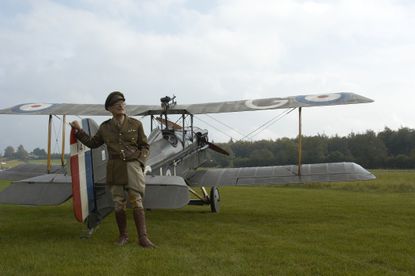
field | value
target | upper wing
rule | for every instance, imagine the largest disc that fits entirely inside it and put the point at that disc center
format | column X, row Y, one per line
column 69, row 109
column 275, row 103
column 215, row 107
column 279, row 175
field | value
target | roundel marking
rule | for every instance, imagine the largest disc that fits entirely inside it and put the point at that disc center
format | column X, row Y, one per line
column 265, row 103
column 323, row 98
column 34, row 107
column 319, row 99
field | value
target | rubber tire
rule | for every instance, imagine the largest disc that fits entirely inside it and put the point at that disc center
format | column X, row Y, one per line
column 214, row 200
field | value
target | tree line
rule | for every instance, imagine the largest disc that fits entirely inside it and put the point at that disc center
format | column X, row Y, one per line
column 10, row 153
column 387, row 149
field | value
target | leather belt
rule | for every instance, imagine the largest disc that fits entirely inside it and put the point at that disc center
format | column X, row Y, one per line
column 114, row 156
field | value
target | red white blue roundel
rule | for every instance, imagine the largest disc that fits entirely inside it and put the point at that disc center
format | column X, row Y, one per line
column 266, row 103
column 33, row 107
column 320, row 99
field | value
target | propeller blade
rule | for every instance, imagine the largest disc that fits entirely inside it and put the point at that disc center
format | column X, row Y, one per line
column 168, row 123
column 217, row 148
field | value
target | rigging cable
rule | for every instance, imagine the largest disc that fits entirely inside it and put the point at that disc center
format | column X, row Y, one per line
column 212, row 126
column 268, row 123
column 253, row 133
column 226, row 125
column 56, row 147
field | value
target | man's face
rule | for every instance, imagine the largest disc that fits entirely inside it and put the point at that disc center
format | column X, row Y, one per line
column 117, row 108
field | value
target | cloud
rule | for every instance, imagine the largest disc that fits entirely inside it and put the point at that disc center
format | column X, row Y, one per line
column 78, row 51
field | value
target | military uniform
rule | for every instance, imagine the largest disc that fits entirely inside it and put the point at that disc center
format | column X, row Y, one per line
column 128, row 151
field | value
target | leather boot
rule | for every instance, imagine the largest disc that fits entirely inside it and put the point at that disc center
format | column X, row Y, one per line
column 140, row 224
column 121, row 219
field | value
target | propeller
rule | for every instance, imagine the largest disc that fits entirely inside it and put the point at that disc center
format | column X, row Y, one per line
column 217, row 148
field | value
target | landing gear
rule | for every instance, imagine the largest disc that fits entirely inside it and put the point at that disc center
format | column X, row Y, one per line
column 214, row 200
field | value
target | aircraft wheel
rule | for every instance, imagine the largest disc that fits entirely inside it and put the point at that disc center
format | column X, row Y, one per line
column 214, row 200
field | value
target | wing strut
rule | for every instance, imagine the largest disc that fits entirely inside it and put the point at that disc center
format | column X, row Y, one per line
column 299, row 142
column 191, row 125
column 49, row 164
column 183, row 132
column 63, row 141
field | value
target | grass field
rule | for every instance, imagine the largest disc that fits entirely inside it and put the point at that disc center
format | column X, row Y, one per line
column 362, row 228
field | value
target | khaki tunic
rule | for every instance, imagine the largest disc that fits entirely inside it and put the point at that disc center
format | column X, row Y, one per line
column 125, row 143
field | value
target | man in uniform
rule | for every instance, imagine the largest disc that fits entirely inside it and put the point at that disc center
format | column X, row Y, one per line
column 128, row 151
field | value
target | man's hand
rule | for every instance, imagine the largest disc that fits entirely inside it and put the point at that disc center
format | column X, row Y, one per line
column 75, row 125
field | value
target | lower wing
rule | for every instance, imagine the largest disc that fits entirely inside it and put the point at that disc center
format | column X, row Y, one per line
column 54, row 189
column 280, row 175
column 47, row 189
column 24, row 171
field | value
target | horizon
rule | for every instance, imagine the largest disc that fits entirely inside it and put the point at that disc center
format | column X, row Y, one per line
column 250, row 141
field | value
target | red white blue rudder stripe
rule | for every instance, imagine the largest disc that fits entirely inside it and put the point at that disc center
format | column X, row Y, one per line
column 82, row 176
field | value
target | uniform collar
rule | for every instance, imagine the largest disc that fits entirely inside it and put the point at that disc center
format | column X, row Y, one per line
column 120, row 126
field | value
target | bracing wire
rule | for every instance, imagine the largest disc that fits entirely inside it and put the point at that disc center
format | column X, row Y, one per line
column 57, row 136
column 226, row 125
column 268, row 123
column 212, row 126
column 251, row 134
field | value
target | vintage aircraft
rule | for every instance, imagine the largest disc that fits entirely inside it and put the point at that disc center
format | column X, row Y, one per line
column 178, row 152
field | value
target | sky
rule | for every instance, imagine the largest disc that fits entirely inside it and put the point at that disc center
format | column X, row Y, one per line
column 205, row 51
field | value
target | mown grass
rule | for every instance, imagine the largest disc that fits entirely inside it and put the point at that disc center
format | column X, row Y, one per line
column 318, row 230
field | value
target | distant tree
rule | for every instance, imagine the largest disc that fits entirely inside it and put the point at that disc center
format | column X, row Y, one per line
column 284, row 151
column 261, row 157
column 412, row 158
column 398, row 142
column 338, row 149
column 21, row 153
column 242, row 148
column 400, row 161
column 40, row 153
column 388, row 138
column 367, row 149
column 315, row 149
column 9, row 152
column 335, row 156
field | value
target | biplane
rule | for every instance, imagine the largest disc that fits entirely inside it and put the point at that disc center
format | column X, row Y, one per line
column 178, row 151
